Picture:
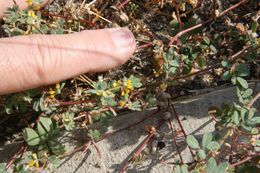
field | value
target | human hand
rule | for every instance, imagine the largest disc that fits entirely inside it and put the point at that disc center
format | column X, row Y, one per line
column 28, row 62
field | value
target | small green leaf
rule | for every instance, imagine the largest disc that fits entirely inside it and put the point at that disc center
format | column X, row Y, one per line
column 202, row 62
column 100, row 85
column 243, row 113
column 211, row 165
column 242, row 82
column 173, row 70
column 43, row 150
column 94, row 134
column 257, row 143
column 174, row 24
column 178, row 169
column 54, row 162
column 56, row 147
column 31, row 137
column 184, row 168
column 136, row 105
column 207, row 138
column 255, row 120
column 236, row 118
column 104, row 120
column 234, row 80
column 254, row 27
column 174, row 63
column 42, row 132
column 226, row 75
column 45, row 127
column 2, row 167
column 247, row 93
column 68, row 120
column 192, row 142
column 186, row 69
column 108, row 101
column 202, row 154
column 242, row 70
column 251, row 113
column 135, row 81
column 170, row 53
column 222, row 167
column 225, row 64
column 206, row 40
column 254, row 131
column 214, row 50
column 213, row 146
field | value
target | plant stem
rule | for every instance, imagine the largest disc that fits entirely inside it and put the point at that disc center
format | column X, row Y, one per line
column 245, row 160
column 137, row 152
column 20, row 152
column 122, row 4
column 175, row 142
column 181, row 33
column 254, row 100
column 129, row 126
column 179, row 122
column 140, row 148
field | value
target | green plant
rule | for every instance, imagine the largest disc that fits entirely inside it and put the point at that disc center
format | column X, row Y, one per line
column 208, row 51
column 44, row 137
column 68, row 121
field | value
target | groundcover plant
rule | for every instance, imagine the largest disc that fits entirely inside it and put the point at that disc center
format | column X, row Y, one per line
column 183, row 47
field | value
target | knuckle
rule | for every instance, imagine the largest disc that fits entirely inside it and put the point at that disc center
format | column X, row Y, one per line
column 41, row 52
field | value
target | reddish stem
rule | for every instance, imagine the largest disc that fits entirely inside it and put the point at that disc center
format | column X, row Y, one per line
column 233, row 141
column 129, row 126
column 140, row 148
column 20, row 152
column 254, row 100
column 179, row 122
column 122, row 4
column 178, row 15
column 175, row 141
column 137, row 152
column 245, row 160
column 181, row 33
column 145, row 45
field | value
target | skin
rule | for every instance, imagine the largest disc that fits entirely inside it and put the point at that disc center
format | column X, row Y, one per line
column 28, row 62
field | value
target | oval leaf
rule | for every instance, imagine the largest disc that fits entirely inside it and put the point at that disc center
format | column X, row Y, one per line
column 247, row 93
column 242, row 70
column 47, row 124
column 192, row 142
column 211, row 165
column 184, row 168
column 236, row 118
column 226, row 76
column 202, row 154
column 242, row 82
column 225, row 63
column 31, row 137
column 222, row 167
column 207, row 138
column 43, row 134
column 213, row 146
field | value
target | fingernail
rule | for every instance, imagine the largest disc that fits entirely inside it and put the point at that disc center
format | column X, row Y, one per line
column 122, row 37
